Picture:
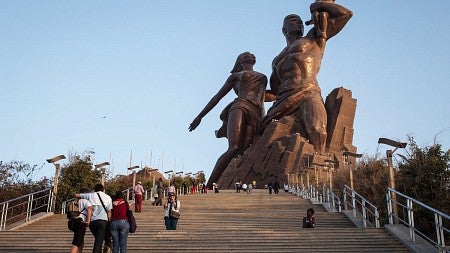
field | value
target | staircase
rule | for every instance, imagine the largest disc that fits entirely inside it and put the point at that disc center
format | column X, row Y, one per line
column 223, row 222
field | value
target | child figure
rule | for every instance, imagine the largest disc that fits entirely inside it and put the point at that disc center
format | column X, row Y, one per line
column 309, row 221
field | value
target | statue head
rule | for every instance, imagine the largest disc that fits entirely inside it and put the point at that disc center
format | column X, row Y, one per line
column 292, row 25
column 245, row 57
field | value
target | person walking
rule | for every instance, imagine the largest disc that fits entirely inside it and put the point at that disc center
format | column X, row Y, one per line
column 81, row 222
column 159, row 192
column 101, row 214
column 138, row 192
column 119, row 224
column 172, row 205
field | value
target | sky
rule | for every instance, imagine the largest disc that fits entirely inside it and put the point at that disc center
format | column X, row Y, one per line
column 126, row 78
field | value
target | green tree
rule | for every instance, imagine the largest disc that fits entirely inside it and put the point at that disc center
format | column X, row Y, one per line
column 425, row 176
column 76, row 174
column 16, row 179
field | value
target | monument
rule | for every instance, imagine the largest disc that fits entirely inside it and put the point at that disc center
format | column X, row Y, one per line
column 299, row 131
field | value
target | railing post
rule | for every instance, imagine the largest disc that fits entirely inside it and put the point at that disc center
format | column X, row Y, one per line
column 377, row 218
column 439, row 232
column 389, row 207
column 50, row 201
column 409, row 205
column 29, row 207
column 364, row 220
column 4, row 215
column 345, row 198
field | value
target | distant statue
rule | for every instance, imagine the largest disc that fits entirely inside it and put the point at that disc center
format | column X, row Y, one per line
column 241, row 118
column 295, row 69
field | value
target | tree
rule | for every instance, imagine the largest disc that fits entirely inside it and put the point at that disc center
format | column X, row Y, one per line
column 425, row 176
column 76, row 174
column 16, row 179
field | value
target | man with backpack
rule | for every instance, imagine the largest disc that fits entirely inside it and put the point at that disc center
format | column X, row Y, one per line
column 101, row 214
column 79, row 221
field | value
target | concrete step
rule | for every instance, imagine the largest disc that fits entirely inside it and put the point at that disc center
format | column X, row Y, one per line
column 224, row 222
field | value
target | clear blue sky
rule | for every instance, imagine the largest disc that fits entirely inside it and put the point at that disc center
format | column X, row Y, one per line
column 122, row 76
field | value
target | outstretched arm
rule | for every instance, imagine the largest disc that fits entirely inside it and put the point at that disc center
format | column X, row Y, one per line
column 213, row 102
column 338, row 16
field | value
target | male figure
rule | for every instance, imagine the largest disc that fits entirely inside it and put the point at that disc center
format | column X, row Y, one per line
column 160, row 192
column 138, row 191
column 295, row 69
column 81, row 222
column 100, row 216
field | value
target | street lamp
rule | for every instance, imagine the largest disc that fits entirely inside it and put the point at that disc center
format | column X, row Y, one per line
column 57, row 169
column 149, row 170
column 346, row 154
column 168, row 173
column 100, row 165
column 134, row 175
column 389, row 154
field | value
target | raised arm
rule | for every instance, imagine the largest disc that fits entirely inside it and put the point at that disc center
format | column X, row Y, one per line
column 213, row 102
column 338, row 16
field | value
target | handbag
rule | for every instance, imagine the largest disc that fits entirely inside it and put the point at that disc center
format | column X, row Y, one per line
column 174, row 214
column 131, row 219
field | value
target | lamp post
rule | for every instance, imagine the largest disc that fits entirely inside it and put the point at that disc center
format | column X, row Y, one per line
column 57, row 169
column 100, row 165
column 134, row 175
column 168, row 174
column 346, row 154
column 389, row 154
column 149, row 171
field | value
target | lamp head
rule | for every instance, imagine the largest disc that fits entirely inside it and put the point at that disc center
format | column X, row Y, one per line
column 101, row 165
column 134, row 167
column 56, row 158
column 348, row 153
column 392, row 143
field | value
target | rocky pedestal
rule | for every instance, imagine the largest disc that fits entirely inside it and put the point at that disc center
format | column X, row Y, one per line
column 281, row 150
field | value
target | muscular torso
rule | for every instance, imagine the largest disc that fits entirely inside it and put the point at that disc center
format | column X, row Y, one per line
column 251, row 85
column 298, row 64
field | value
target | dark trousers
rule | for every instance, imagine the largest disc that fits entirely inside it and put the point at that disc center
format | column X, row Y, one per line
column 98, row 229
column 171, row 223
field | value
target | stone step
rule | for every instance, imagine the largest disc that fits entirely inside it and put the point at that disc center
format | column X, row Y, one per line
column 224, row 222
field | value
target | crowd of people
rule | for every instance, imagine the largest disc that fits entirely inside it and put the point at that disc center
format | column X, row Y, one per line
column 106, row 217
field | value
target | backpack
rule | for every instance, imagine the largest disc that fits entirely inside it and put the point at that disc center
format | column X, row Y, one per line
column 72, row 212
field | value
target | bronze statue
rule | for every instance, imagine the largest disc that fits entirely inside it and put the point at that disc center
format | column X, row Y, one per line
column 241, row 118
column 295, row 69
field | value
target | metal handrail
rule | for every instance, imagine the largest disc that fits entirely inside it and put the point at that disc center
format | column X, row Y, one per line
column 332, row 199
column 441, row 230
column 359, row 205
column 22, row 208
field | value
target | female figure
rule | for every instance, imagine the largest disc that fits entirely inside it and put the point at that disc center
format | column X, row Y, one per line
column 172, row 205
column 119, row 223
column 241, row 117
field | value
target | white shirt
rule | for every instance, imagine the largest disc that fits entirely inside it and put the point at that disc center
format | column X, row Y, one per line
column 83, row 205
column 138, row 189
column 166, row 210
column 98, row 212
